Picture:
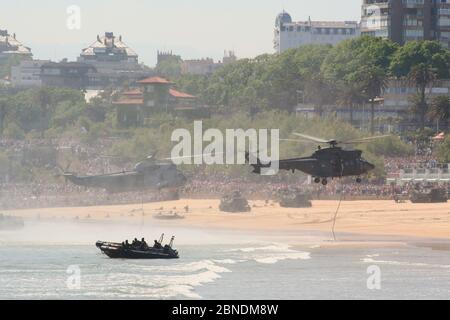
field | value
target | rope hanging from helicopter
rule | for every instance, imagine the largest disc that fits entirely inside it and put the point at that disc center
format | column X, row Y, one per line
column 334, row 144
column 340, row 201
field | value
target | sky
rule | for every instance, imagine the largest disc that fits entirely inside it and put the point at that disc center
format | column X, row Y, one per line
column 190, row 28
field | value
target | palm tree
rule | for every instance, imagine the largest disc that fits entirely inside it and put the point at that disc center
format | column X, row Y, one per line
column 374, row 80
column 350, row 95
column 422, row 76
column 440, row 110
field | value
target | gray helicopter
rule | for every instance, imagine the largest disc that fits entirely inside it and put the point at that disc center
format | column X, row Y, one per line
column 148, row 174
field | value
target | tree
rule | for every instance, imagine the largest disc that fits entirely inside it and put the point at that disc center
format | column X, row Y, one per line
column 43, row 99
column 351, row 55
column 421, row 62
column 319, row 91
column 414, row 53
column 350, row 95
column 3, row 113
column 443, row 150
column 440, row 111
column 422, row 76
column 170, row 66
column 360, row 64
column 374, row 83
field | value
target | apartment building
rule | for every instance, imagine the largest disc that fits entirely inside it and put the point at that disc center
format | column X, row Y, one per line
column 407, row 20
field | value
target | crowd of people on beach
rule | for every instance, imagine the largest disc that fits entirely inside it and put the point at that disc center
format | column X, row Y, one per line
column 91, row 160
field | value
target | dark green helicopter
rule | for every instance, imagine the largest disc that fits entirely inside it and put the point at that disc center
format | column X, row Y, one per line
column 148, row 174
column 331, row 162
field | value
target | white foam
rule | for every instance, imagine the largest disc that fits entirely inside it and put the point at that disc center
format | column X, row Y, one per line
column 405, row 263
column 274, row 247
column 290, row 256
column 209, row 265
column 272, row 253
column 228, row 261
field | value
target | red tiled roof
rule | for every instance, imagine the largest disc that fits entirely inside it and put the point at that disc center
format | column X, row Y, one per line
column 179, row 94
column 154, row 80
column 129, row 101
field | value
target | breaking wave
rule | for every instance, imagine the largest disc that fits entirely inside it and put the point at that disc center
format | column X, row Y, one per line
column 369, row 259
column 272, row 253
column 22, row 278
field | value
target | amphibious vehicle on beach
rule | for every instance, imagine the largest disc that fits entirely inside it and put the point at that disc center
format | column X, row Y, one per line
column 168, row 216
column 294, row 199
column 234, row 202
column 428, row 195
column 138, row 249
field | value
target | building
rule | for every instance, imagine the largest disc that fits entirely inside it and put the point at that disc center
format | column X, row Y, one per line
column 290, row 34
column 27, row 74
column 397, row 100
column 114, row 61
column 407, row 20
column 199, row 66
column 66, row 74
column 393, row 110
column 229, row 57
column 206, row 66
column 10, row 46
column 441, row 16
column 166, row 56
column 154, row 95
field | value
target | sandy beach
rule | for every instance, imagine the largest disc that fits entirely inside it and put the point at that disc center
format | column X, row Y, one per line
column 269, row 253
column 381, row 218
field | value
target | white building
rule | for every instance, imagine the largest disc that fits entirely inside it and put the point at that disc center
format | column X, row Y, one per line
column 10, row 46
column 27, row 73
column 290, row 34
column 114, row 61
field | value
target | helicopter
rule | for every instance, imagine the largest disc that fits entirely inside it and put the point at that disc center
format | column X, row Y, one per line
column 332, row 162
column 148, row 174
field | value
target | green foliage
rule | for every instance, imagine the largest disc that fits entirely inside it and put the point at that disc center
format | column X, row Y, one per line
column 440, row 110
column 444, row 150
column 414, row 53
column 265, row 82
column 390, row 147
column 169, row 67
column 249, row 93
column 147, row 141
column 352, row 56
column 13, row 131
column 67, row 113
column 44, row 108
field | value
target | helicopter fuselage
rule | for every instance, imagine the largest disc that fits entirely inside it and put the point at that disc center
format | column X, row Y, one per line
column 150, row 177
column 325, row 163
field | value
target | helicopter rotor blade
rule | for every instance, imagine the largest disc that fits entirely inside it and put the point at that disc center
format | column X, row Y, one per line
column 194, row 156
column 364, row 140
column 311, row 138
column 294, row 140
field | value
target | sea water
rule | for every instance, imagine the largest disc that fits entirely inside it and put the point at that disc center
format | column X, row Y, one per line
column 238, row 269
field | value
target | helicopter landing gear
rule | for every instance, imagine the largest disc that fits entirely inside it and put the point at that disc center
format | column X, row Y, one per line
column 324, row 182
column 358, row 180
